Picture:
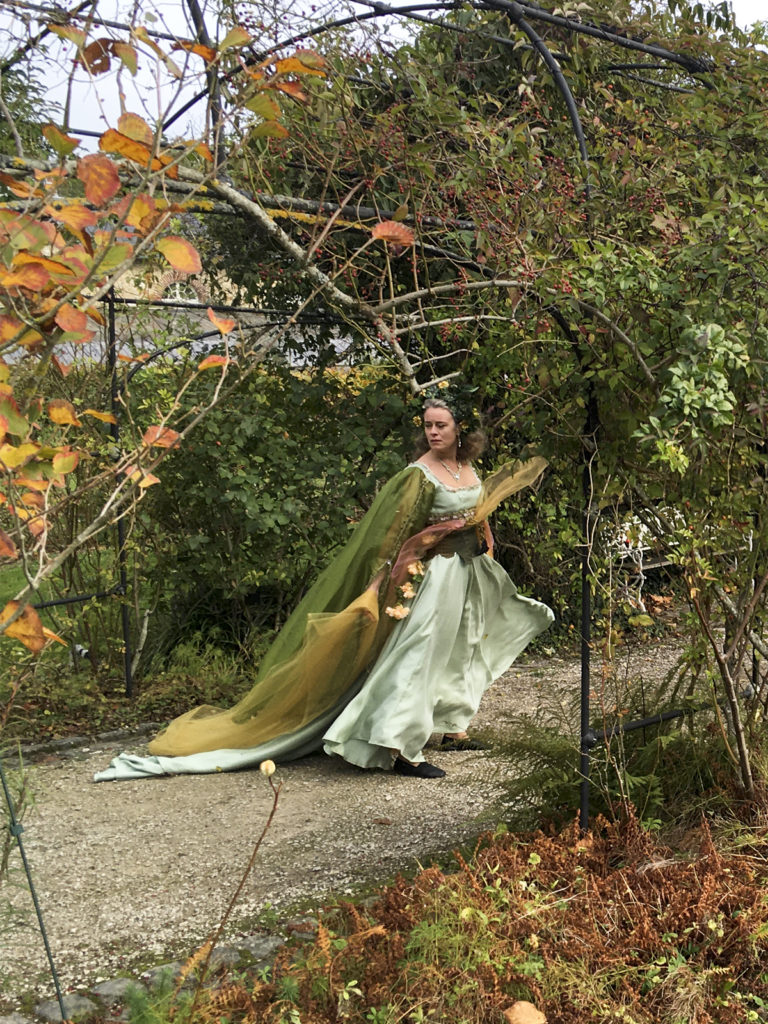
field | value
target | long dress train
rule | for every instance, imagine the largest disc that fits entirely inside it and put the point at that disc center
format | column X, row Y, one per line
column 333, row 645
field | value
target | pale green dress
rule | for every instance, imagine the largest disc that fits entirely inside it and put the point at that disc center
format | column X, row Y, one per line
column 466, row 626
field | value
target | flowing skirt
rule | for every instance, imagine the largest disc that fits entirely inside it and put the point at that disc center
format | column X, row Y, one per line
column 466, row 626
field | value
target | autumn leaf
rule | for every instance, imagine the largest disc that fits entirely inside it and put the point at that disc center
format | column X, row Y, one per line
column 224, row 326
column 236, row 36
column 210, row 361
column 99, row 175
column 72, row 35
column 160, row 437
column 272, row 129
column 104, row 417
column 264, row 106
column 208, row 54
column 136, row 128
column 70, row 319
column 294, row 90
column 127, row 55
column 33, row 276
column 391, row 231
column 181, row 254
column 63, row 368
column 63, row 413
column 204, row 151
column 65, row 462
column 19, row 188
column 7, row 547
column 13, row 456
column 96, row 56
column 27, row 628
column 62, row 144
column 143, row 479
column 16, row 424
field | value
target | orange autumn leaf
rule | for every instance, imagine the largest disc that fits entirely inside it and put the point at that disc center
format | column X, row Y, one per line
column 204, row 151
column 27, row 628
column 70, row 319
column 19, row 188
column 136, row 128
column 115, row 142
column 160, row 437
column 206, row 52
column 211, row 361
column 50, row 635
column 132, row 359
column 294, row 90
column 104, row 417
column 63, row 413
column 76, row 218
column 99, row 175
column 143, row 479
column 33, row 276
column 304, row 62
column 7, row 547
column 391, row 231
column 181, row 254
column 223, row 325
column 63, row 368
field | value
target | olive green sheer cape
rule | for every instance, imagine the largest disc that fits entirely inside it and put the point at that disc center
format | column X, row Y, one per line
column 339, row 628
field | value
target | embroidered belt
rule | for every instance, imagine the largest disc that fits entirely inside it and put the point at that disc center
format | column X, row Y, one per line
column 463, row 513
column 467, row 544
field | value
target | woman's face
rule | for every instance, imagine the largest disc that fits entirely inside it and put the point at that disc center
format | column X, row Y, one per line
column 441, row 431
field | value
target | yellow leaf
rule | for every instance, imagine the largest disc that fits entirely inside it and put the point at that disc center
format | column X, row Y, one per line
column 63, row 412
column 181, row 254
column 264, row 106
column 65, row 462
column 136, row 128
column 12, row 457
column 236, row 36
column 105, row 417
column 28, row 629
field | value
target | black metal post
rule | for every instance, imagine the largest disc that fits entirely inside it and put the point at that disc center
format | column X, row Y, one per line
column 121, row 555
column 16, row 828
column 588, row 737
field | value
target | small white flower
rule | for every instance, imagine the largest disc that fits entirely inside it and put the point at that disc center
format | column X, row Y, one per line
column 267, row 768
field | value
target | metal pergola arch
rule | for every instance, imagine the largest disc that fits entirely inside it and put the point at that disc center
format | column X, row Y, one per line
column 520, row 14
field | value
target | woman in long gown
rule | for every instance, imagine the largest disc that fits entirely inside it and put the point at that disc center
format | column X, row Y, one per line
column 398, row 638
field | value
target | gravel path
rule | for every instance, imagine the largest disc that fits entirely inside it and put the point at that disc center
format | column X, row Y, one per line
column 130, row 874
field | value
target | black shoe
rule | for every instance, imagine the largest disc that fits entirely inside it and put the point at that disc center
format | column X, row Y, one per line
column 463, row 743
column 423, row 770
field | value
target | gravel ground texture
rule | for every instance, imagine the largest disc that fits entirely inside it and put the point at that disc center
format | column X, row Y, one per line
column 131, row 874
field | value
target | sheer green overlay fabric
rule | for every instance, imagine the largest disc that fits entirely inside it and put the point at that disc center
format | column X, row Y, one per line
column 321, row 657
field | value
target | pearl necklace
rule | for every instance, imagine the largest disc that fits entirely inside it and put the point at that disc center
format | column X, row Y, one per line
column 450, row 472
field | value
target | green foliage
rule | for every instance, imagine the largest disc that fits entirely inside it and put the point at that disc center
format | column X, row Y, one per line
column 260, row 501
